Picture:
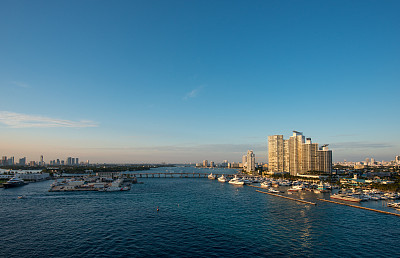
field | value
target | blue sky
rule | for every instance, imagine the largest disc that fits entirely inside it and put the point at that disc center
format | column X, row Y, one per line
column 183, row 81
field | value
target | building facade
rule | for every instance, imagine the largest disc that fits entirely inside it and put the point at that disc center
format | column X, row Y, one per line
column 298, row 156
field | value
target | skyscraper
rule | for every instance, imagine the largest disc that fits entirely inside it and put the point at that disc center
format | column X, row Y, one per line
column 295, row 153
column 276, row 153
column 251, row 161
column 297, row 156
column 22, row 161
column 205, row 163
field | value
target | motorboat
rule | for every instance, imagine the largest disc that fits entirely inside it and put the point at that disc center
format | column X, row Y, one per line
column 265, row 184
column 222, row 179
column 14, row 182
column 211, row 176
column 236, row 181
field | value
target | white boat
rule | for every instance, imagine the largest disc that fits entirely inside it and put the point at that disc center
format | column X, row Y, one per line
column 211, row 176
column 236, row 181
column 265, row 184
column 273, row 190
column 222, row 179
column 246, row 181
column 296, row 188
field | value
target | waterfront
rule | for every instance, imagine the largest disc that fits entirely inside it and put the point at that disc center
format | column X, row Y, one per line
column 197, row 217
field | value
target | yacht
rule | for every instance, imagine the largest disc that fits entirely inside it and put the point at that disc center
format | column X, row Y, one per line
column 14, row 182
column 222, row 179
column 265, row 184
column 211, row 176
column 236, row 181
column 271, row 190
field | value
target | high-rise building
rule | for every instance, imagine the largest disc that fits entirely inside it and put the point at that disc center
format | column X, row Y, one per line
column 297, row 156
column 295, row 153
column 309, row 156
column 251, row 161
column 73, row 161
column 4, row 160
column 212, row 164
column 205, row 163
column 22, row 161
column 276, row 153
column 10, row 161
column 324, row 159
column 41, row 162
column 69, row 161
column 77, row 161
column 397, row 160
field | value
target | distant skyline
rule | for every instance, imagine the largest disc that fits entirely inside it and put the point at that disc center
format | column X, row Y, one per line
column 184, row 81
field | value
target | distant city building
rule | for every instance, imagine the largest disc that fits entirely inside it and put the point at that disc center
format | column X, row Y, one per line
column 22, row 161
column 4, row 160
column 11, row 161
column 77, row 161
column 212, row 164
column 397, row 160
column 251, row 161
column 205, row 163
column 41, row 162
column 69, row 161
column 297, row 156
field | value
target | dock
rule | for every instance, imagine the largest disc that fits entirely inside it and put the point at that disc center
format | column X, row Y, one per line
column 285, row 197
column 360, row 207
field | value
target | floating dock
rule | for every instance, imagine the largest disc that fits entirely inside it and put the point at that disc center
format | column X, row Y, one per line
column 360, row 207
column 285, row 197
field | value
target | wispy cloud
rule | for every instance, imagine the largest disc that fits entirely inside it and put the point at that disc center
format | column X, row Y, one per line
column 193, row 93
column 16, row 120
column 21, row 84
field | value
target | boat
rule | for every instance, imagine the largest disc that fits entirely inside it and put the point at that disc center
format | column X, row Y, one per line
column 265, row 184
column 322, row 188
column 246, row 181
column 14, row 182
column 271, row 190
column 296, row 188
column 222, row 179
column 236, row 181
column 211, row 176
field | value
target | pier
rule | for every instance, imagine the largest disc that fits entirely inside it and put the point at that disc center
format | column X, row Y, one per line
column 360, row 207
column 281, row 196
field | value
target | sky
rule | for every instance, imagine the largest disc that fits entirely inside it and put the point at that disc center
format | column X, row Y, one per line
column 183, row 81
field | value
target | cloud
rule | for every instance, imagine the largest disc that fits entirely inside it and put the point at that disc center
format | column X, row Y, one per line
column 359, row 145
column 192, row 94
column 21, row 84
column 16, row 120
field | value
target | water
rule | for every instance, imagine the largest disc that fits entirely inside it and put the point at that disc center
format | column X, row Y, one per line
column 197, row 217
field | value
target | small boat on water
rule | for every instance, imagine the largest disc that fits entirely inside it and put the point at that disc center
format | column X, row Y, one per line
column 14, row 182
column 211, row 176
column 265, row 184
column 222, row 179
column 271, row 190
